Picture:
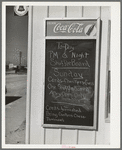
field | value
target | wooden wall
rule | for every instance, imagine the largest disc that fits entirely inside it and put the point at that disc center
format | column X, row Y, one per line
column 39, row 135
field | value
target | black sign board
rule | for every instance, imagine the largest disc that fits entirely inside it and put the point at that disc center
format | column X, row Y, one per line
column 70, row 83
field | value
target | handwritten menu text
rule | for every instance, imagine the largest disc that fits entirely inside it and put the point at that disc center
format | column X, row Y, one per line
column 69, row 82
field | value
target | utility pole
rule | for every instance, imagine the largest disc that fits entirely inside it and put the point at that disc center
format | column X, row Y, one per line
column 20, row 59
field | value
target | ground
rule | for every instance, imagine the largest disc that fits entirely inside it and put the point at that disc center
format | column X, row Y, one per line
column 15, row 108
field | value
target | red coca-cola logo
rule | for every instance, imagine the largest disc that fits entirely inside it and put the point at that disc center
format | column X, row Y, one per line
column 72, row 28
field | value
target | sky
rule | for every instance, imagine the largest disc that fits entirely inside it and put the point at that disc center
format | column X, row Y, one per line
column 16, row 37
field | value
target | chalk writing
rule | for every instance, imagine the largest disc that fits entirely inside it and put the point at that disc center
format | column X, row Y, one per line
column 72, row 63
column 51, row 114
column 65, row 80
column 50, row 86
column 53, row 54
column 54, row 119
column 80, row 55
column 63, row 114
column 67, row 73
column 65, row 46
column 74, row 88
column 73, row 95
column 63, row 109
column 69, row 79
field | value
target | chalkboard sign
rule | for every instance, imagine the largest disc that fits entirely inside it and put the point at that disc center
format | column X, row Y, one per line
column 71, row 73
column 69, row 82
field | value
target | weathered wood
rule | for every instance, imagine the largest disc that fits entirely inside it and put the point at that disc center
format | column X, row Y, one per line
column 74, row 11
column 36, row 131
column 56, row 11
column 91, row 11
column 64, row 136
column 28, row 96
column 68, row 136
column 86, row 137
column 54, row 135
column 100, row 135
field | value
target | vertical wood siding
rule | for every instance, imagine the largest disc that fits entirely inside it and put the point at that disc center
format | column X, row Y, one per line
column 36, row 131
column 54, row 134
column 91, row 11
column 100, row 136
column 56, row 11
column 74, row 11
column 88, row 137
column 39, row 135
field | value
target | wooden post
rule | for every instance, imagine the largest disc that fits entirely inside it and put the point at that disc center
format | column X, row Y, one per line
column 20, row 59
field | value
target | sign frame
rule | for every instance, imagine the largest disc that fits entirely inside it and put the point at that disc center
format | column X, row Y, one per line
column 97, row 61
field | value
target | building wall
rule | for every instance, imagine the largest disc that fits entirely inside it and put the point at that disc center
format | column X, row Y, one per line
column 16, row 37
column 39, row 135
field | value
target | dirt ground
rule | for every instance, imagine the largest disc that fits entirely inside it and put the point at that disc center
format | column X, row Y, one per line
column 15, row 114
column 17, row 136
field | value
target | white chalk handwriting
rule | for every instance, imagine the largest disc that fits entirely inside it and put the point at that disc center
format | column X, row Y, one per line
column 74, row 81
column 67, row 73
column 72, row 63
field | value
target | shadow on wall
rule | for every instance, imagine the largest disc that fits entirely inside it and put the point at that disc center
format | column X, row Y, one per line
column 10, row 99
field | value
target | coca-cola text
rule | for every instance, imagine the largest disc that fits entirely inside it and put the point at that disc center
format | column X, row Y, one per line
column 72, row 28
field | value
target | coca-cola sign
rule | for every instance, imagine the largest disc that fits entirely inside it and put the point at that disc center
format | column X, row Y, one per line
column 70, row 28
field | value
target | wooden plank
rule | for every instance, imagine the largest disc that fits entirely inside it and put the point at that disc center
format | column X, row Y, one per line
column 107, row 115
column 100, row 134
column 28, row 96
column 68, row 126
column 56, row 11
column 107, row 136
column 69, row 137
column 91, row 11
column 74, row 11
column 105, row 13
column 71, row 37
column 36, row 131
column 86, row 137
column 52, row 136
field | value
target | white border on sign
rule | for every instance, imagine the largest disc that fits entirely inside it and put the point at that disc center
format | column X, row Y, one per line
column 97, row 62
column 115, row 69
